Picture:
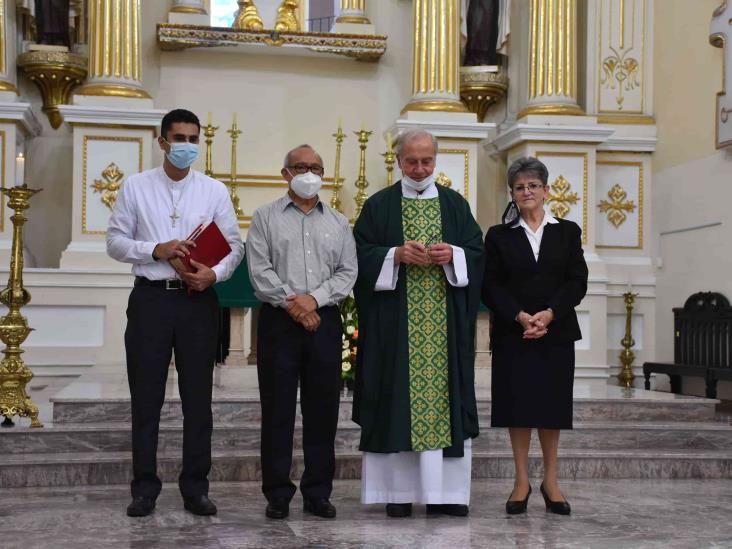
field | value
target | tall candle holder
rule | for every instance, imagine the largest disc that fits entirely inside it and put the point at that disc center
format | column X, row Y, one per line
column 234, row 132
column 361, row 183
column 209, row 131
column 14, row 329
column 335, row 200
column 389, row 160
column 626, row 375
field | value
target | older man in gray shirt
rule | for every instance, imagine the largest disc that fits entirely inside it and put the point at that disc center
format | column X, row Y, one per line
column 302, row 263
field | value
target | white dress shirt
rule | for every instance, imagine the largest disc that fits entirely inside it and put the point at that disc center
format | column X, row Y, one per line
column 455, row 272
column 535, row 237
column 142, row 219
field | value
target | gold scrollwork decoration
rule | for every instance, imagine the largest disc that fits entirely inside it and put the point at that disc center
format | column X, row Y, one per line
column 443, row 179
column 109, row 185
column 617, row 206
column 620, row 72
column 287, row 16
column 560, row 197
column 247, row 18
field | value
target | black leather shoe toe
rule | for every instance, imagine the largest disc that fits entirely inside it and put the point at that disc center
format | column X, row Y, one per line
column 517, row 507
column 399, row 510
column 200, row 505
column 277, row 509
column 140, row 507
column 319, row 507
column 451, row 509
column 556, row 507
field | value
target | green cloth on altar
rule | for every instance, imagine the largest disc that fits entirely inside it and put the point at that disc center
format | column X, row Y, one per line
column 426, row 332
column 382, row 404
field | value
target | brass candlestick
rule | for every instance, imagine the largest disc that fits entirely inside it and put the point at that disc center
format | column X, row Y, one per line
column 627, row 356
column 361, row 183
column 389, row 159
column 234, row 132
column 14, row 329
column 335, row 200
column 209, row 131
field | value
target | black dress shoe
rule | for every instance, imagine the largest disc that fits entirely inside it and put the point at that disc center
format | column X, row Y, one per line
column 452, row 509
column 199, row 505
column 557, row 507
column 319, row 507
column 399, row 510
column 140, row 506
column 277, row 509
column 518, row 507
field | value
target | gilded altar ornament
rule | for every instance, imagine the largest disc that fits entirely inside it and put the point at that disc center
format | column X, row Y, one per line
column 109, row 185
column 481, row 87
column 617, row 206
column 14, row 329
column 361, row 183
column 389, row 159
column 443, row 180
column 560, row 196
column 209, row 131
column 627, row 356
column 234, row 132
column 335, row 200
column 247, row 18
column 55, row 73
column 287, row 16
column 620, row 72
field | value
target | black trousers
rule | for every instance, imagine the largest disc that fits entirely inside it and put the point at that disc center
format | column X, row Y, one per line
column 161, row 321
column 286, row 353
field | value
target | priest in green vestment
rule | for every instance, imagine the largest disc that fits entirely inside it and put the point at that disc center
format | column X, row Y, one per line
column 420, row 259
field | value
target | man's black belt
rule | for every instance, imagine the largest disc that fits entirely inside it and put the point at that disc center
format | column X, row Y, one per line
column 169, row 284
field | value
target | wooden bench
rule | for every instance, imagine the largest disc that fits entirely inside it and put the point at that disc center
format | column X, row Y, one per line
column 702, row 343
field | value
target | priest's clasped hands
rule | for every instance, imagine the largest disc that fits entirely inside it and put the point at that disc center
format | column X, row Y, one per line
column 416, row 253
column 537, row 325
column 199, row 280
column 303, row 309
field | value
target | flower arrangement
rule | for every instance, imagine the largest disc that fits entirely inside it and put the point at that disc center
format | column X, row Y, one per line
column 349, row 317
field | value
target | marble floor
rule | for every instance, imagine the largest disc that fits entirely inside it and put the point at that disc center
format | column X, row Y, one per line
column 607, row 514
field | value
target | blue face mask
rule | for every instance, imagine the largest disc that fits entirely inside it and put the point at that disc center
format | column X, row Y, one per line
column 182, row 155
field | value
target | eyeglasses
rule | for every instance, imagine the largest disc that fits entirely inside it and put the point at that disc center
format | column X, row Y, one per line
column 317, row 169
column 533, row 187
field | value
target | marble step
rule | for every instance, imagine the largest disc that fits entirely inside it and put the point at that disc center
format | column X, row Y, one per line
column 115, row 437
column 247, row 410
column 102, row 468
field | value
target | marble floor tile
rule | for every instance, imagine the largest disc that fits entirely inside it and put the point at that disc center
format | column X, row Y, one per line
column 606, row 514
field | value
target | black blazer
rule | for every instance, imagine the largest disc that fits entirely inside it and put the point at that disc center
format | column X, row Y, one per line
column 515, row 281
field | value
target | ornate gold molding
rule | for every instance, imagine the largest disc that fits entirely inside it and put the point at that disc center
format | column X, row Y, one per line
column 561, row 197
column 556, row 109
column 625, row 119
column 466, row 165
column 620, row 72
column 287, row 16
column 173, row 37
column 247, row 18
column 617, row 206
column 433, row 105
column 188, row 9
column 355, row 11
column 112, row 90
column 109, row 185
column 480, row 88
column 56, row 74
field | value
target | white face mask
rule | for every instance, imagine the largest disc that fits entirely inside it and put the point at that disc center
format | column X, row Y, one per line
column 306, row 185
column 418, row 186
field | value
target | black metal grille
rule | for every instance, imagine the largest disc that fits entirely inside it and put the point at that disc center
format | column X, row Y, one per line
column 321, row 24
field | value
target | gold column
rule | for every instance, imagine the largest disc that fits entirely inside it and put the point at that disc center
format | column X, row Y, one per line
column 553, row 58
column 436, row 57
column 114, row 49
column 5, row 83
column 189, row 6
column 353, row 11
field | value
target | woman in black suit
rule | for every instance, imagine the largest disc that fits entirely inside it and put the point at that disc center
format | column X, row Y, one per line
column 535, row 276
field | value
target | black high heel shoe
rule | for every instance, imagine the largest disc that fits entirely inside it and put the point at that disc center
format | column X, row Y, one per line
column 518, row 507
column 556, row 507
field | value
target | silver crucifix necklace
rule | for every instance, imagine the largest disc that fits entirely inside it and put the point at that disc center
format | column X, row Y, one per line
column 174, row 216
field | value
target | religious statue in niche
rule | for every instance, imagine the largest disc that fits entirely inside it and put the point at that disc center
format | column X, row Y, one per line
column 486, row 26
column 52, row 22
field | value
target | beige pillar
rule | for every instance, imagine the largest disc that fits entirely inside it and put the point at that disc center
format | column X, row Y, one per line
column 436, row 57
column 189, row 6
column 7, row 48
column 353, row 11
column 553, row 58
column 114, row 50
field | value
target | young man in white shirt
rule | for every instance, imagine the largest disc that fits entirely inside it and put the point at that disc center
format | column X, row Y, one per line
column 154, row 213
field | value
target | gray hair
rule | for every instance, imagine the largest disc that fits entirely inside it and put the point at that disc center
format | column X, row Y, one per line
column 412, row 135
column 303, row 146
column 530, row 166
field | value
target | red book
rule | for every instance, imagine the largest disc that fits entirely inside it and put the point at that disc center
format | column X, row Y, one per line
column 211, row 248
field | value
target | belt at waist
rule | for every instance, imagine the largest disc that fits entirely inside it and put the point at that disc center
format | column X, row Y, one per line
column 169, row 284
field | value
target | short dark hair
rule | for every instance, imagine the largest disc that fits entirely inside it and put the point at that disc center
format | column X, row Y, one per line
column 530, row 166
column 177, row 115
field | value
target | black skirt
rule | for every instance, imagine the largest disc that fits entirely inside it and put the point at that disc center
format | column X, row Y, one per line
column 532, row 384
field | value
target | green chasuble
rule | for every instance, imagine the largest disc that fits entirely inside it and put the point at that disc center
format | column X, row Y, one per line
column 427, row 332
column 414, row 386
